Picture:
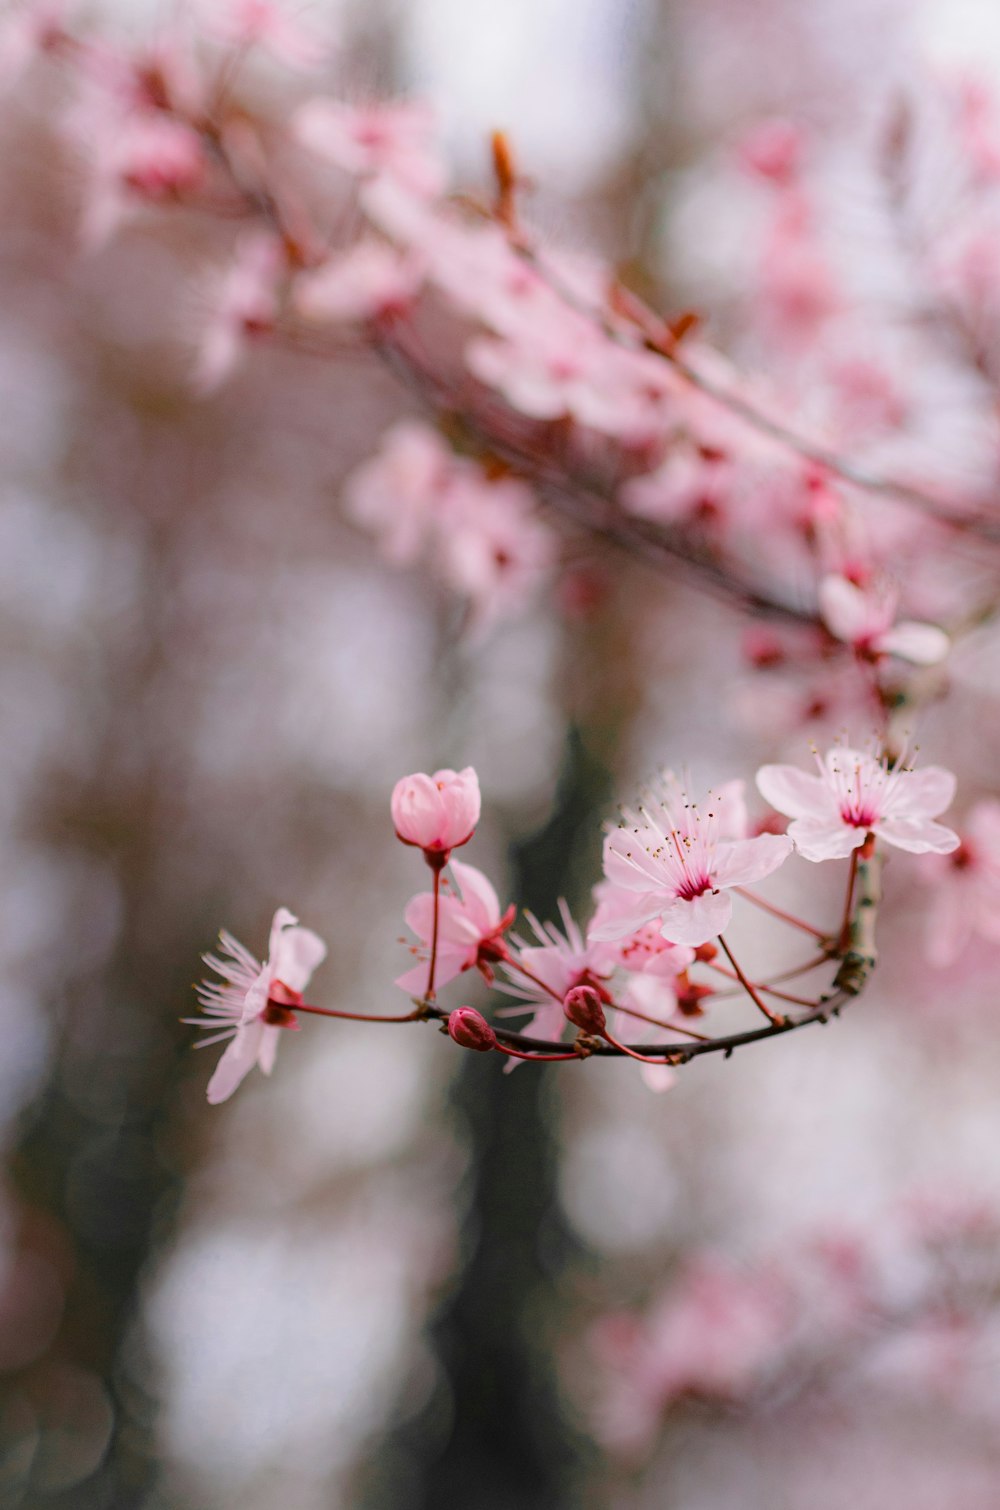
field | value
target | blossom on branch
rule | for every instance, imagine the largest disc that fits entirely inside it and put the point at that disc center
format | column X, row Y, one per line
column 369, row 141
column 478, row 532
column 857, row 793
column 240, row 1009
column 544, row 974
column 243, row 307
column 262, row 23
column 678, row 861
column 966, row 897
column 368, row 282
column 866, row 619
column 470, row 929
column 437, row 813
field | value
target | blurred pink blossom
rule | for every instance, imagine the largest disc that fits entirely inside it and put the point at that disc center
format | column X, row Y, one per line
column 243, row 305
column 965, row 901
column 866, row 619
column 395, row 139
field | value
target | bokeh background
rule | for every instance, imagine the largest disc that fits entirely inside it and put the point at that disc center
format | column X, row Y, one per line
column 368, row 1284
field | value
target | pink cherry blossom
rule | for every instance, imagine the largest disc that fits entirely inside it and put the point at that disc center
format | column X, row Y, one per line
column 399, row 492
column 243, row 306
column 866, row 619
column 470, row 929
column 28, row 32
column 437, row 813
column 856, row 793
column 642, row 950
column 559, row 961
column 675, row 859
column 480, row 534
column 137, row 157
column 773, row 150
column 490, row 546
column 716, row 1333
column 653, row 995
column 965, row 901
column 367, row 141
column 367, row 282
column 237, row 1009
column 262, row 23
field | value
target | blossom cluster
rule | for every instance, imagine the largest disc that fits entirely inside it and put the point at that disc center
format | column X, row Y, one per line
column 560, row 403
column 672, row 868
column 840, row 1312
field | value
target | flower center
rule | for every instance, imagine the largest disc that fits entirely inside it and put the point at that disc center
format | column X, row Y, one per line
column 693, row 885
column 858, row 813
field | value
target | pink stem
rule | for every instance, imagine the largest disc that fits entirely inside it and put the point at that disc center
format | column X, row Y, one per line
column 778, row 912
column 749, row 988
column 301, row 1006
column 434, row 933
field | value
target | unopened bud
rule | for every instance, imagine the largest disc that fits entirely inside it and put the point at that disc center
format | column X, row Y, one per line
column 689, row 1001
column 470, row 1029
column 583, row 1007
column 706, row 953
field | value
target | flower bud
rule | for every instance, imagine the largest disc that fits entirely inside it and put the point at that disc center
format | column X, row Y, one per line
column 689, row 1000
column 582, row 1006
column 436, row 813
column 470, row 1029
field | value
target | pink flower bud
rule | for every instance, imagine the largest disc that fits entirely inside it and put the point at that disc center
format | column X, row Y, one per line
column 583, row 1007
column 437, row 813
column 470, row 1029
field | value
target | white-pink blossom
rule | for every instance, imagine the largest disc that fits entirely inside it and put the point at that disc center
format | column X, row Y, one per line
column 399, row 492
column 866, row 619
column 676, row 859
column 243, row 304
column 490, row 546
column 371, row 140
column 965, row 901
column 470, row 929
column 264, row 24
column 559, row 962
column 237, row 1008
column 437, row 813
column 480, row 534
column 366, row 282
column 856, row 793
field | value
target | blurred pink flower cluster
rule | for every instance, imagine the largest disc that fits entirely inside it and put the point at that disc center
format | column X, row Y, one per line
column 904, row 1305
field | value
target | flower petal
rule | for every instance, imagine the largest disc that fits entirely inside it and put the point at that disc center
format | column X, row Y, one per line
column 625, row 919
column 298, row 954
column 921, row 644
column 478, row 896
column 920, row 836
column 748, row 860
column 267, row 1049
column 696, row 921
column 793, row 792
column 825, row 839
column 236, row 1063
column 922, row 794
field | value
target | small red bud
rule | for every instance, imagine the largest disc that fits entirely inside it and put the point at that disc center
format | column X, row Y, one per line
column 706, row 953
column 582, row 1006
column 470, row 1029
column 689, row 1001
